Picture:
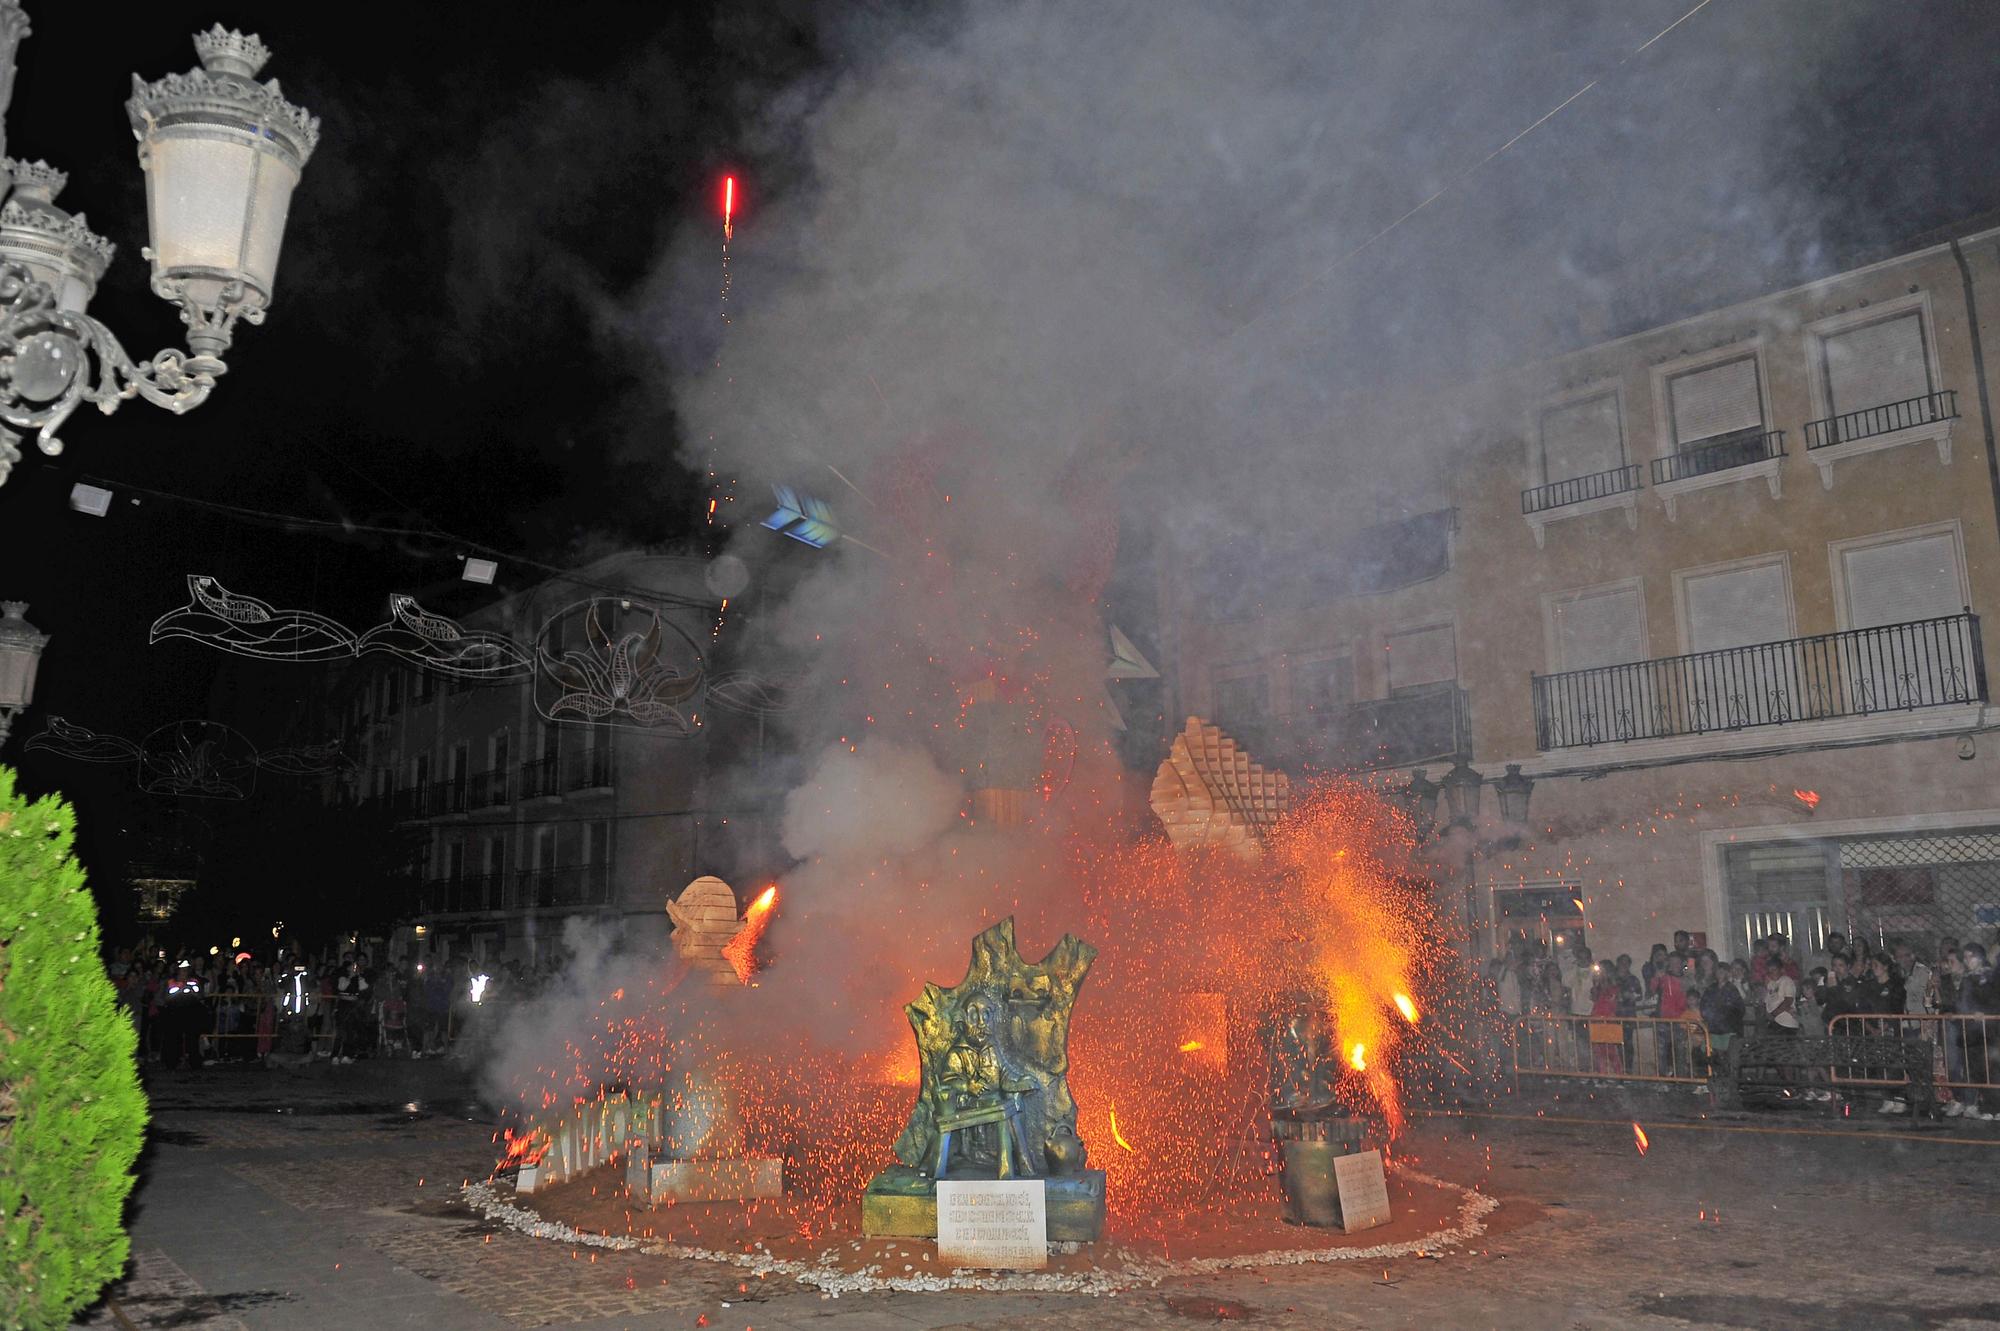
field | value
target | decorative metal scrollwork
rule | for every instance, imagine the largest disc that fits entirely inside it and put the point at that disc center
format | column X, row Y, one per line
column 54, row 360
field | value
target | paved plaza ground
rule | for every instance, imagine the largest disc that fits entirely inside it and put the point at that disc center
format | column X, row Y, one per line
column 328, row 1197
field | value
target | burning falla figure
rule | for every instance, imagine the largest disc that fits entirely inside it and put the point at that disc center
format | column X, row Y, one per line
column 994, row 1098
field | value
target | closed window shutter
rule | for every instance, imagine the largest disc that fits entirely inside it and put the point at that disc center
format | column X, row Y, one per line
column 1599, row 629
column 1876, row 364
column 1736, row 609
column 1581, row 438
column 1420, row 657
column 1902, row 581
column 1719, row 400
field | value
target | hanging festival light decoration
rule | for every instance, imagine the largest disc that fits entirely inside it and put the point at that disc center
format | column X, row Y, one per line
column 635, row 669
column 191, row 759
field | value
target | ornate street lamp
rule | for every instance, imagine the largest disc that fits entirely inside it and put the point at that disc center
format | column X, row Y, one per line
column 1513, row 790
column 222, row 154
column 1420, row 801
column 20, row 656
column 1461, row 792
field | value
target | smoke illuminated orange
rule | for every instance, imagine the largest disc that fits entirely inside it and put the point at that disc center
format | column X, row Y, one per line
column 741, row 951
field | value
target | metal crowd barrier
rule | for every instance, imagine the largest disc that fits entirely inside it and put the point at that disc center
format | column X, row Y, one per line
column 1671, row 1049
column 1967, row 1044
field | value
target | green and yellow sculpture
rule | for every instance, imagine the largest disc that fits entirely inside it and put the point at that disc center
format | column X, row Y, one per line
column 993, row 1101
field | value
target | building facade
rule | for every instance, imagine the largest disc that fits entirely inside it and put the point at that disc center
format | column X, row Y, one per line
column 1718, row 587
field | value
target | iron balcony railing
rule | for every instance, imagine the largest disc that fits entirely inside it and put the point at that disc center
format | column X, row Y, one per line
column 587, row 769
column 1737, row 450
column 1575, row 490
column 538, row 778
column 1857, row 672
column 489, row 789
column 1886, row 419
column 566, row 885
column 447, row 796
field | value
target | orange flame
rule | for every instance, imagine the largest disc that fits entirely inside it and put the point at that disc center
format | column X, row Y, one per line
column 1809, row 798
column 741, row 951
column 1191, row 1046
column 525, row 1149
column 1357, row 1057
column 1116, row 1135
column 1639, row 1138
column 1407, row 1008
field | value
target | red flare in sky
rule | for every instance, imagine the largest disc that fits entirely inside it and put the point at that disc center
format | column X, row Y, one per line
column 728, row 207
column 741, row 951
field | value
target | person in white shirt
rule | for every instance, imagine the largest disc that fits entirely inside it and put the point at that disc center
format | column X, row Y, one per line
column 1781, row 1003
column 1918, row 994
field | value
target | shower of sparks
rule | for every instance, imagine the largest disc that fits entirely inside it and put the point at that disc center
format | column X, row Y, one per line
column 741, row 951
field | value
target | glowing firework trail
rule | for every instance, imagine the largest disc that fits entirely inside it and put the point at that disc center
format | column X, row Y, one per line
column 741, row 951
column 1116, row 1135
column 1407, row 1008
column 728, row 209
column 1639, row 1139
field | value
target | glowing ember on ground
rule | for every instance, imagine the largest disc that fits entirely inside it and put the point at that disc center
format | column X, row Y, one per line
column 741, row 951
column 1408, row 1008
column 1639, row 1138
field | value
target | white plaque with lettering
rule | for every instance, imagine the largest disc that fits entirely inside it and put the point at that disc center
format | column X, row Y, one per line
column 1364, row 1190
column 993, row 1223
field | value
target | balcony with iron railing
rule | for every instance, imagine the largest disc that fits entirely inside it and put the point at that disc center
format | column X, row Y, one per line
column 1744, row 455
column 1850, row 674
column 1918, row 420
column 447, row 797
column 538, row 779
column 1582, row 489
column 560, row 886
column 490, row 789
column 587, row 769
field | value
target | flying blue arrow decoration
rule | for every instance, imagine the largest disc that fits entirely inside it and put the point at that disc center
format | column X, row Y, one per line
column 803, row 518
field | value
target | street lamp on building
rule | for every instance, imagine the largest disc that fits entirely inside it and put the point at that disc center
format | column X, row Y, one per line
column 221, row 154
column 20, row 656
column 1513, row 791
column 1461, row 792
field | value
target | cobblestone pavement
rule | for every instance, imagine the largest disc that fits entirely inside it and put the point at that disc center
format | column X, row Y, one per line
column 328, row 1197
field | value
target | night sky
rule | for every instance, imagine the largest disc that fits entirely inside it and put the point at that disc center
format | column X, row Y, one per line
column 459, row 341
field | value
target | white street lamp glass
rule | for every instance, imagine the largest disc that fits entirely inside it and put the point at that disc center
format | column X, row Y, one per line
column 216, row 201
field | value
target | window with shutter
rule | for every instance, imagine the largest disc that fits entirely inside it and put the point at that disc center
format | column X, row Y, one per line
column 1712, row 403
column 1599, row 628
column 1736, row 607
column 1896, row 582
column 1420, row 658
column 1876, row 364
column 1582, row 438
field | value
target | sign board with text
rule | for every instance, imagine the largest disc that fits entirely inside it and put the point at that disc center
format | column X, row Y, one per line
column 997, row 1223
column 1364, row 1190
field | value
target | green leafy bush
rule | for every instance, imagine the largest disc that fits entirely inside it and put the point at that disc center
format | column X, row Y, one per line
column 72, row 1116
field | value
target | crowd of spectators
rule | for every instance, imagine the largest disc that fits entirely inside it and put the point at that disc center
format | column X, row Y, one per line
column 1776, row 992
column 335, row 1008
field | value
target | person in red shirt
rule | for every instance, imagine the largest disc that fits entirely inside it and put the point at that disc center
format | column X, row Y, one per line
column 1670, row 1037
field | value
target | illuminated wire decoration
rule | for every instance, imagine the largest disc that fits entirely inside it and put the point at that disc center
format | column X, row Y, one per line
column 749, row 694
column 432, row 642
column 246, row 626
column 190, row 759
column 629, row 667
